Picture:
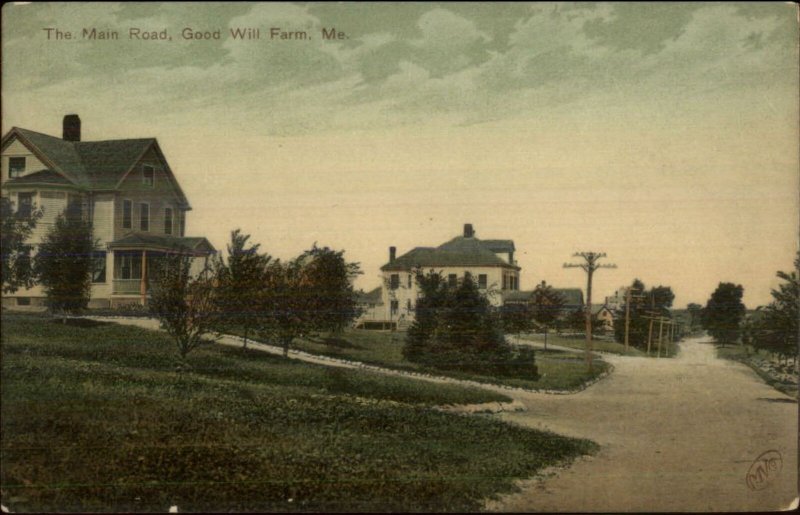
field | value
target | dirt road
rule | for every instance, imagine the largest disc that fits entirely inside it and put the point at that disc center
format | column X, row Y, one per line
column 676, row 435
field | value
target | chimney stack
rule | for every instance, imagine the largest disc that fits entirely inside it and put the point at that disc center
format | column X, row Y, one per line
column 72, row 128
column 392, row 254
column 468, row 231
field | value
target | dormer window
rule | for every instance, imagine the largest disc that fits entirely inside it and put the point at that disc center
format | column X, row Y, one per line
column 148, row 175
column 16, row 166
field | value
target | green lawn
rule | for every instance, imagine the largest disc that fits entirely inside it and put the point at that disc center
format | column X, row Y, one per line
column 558, row 370
column 96, row 417
column 603, row 345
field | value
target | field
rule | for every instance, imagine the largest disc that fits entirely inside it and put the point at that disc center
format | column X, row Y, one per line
column 102, row 417
column 558, row 370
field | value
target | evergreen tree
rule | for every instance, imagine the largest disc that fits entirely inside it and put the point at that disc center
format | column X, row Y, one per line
column 64, row 264
column 778, row 327
column 240, row 283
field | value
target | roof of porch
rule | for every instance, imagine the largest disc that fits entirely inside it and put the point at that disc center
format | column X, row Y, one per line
column 141, row 241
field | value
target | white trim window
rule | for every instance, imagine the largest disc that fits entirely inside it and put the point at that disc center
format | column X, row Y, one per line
column 168, row 220
column 148, row 175
column 16, row 166
column 127, row 214
column 144, row 216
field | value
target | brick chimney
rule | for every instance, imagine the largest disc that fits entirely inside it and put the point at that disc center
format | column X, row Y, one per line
column 468, row 231
column 72, row 128
column 392, row 254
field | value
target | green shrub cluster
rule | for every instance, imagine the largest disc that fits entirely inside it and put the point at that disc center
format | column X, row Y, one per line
column 456, row 328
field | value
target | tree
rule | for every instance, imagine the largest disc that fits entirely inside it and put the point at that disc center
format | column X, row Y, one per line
column 456, row 328
column 517, row 318
column 695, row 316
column 547, row 306
column 184, row 305
column 64, row 264
column 777, row 329
column 16, row 252
column 308, row 294
column 644, row 307
column 723, row 313
column 333, row 303
column 240, row 283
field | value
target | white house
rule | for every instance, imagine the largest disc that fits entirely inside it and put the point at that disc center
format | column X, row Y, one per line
column 490, row 263
column 125, row 187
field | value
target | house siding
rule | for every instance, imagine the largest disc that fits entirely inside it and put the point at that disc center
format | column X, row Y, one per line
column 15, row 148
column 160, row 196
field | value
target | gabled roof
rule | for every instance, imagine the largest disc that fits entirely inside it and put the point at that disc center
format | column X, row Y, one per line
column 460, row 251
column 597, row 308
column 42, row 177
column 145, row 241
column 91, row 165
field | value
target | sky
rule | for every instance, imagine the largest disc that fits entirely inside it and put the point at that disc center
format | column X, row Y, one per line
column 665, row 135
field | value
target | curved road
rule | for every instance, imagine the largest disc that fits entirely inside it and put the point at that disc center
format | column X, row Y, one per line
column 676, row 434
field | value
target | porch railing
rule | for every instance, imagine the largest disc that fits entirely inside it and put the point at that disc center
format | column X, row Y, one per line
column 127, row 286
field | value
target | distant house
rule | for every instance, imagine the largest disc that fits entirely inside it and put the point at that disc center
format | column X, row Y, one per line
column 573, row 299
column 125, row 187
column 604, row 314
column 490, row 263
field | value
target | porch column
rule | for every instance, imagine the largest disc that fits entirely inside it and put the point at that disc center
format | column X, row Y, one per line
column 143, row 284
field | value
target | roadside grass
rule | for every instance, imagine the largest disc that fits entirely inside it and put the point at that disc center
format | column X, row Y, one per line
column 747, row 354
column 605, row 345
column 97, row 417
column 579, row 342
column 558, row 370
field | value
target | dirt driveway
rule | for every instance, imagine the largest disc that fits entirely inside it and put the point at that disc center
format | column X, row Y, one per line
column 676, row 435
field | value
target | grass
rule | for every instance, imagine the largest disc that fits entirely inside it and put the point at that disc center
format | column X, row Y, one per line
column 95, row 417
column 579, row 342
column 746, row 354
column 558, row 370
column 603, row 345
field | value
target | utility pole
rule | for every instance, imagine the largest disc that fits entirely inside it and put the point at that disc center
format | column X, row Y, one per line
column 660, row 333
column 589, row 266
column 628, row 298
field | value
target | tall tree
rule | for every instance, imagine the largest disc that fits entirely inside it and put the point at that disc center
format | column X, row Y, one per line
column 695, row 315
column 547, row 307
column 240, row 282
column 723, row 313
column 16, row 230
column 64, row 264
column 644, row 306
column 184, row 305
column 332, row 302
column 456, row 328
column 778, row 328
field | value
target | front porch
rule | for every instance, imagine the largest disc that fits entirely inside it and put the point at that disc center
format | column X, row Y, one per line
column 136, row 259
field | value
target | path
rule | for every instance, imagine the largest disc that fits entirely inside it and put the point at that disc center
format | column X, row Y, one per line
column 675, row 434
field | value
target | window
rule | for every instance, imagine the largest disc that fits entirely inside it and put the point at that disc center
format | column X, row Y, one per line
column 394, row 282
column 144, row 216
column 505, row 282
column 409, row 281
column 408, row 305
column 482, row 282
column 99, row 267
column 452, row 280
column 16, row 166
column 148, row 175
column 168, row 220
column 74, row 208
column 130, row 266
column 127, row 214
column 394, row 307
column 183, row 224
column 25, row 201
column 23, row 301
